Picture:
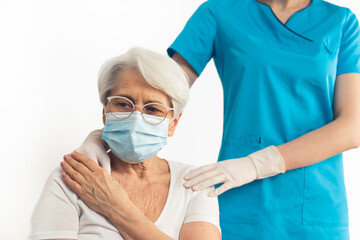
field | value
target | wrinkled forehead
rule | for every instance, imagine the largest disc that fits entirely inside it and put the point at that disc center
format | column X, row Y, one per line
column 132, row 85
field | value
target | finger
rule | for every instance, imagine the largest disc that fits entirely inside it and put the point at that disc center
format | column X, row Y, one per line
column 77, row 166
column 88, row 162
column 76, row 176
column 208, row 183
column 223, row 188
column 200, row 178
column 71, row 183
column 199, row 171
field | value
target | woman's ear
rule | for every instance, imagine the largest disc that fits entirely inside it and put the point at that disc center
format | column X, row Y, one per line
column 173, row 124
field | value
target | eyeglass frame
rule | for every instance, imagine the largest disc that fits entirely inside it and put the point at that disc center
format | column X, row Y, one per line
column 168, row 109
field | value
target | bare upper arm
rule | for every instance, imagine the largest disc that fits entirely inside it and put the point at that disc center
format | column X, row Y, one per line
column 189, row 70
column 199, row 231
column 347, row 102
column 346, row 95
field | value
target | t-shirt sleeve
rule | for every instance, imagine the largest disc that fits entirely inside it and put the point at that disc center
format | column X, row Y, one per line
column 56, row 214
column 196, row 42
column 349, row 53
column 202, row 208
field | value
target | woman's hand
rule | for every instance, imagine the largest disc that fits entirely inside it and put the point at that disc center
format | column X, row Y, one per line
column 103, row 194
column 94, row 185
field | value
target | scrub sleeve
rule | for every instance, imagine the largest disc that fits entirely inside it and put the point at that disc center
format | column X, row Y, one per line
column 349, row 53
column 196, row 42
column 278, row 82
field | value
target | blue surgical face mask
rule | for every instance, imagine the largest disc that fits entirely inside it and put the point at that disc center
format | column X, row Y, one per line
column 132, row 139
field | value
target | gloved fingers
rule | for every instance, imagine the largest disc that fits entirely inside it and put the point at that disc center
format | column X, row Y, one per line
column 223, row 188
column 209, row 182
column 199, row 171
column 104, row 161
column 96, row 133
column 200, row 178
column 87, row 151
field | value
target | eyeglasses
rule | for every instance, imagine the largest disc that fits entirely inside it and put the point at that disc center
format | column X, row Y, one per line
column 153, row 113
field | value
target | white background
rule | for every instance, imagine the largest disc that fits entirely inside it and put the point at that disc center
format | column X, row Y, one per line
column 50, row 52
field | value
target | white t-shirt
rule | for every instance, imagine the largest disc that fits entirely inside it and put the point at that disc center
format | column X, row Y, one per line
column 60, row 213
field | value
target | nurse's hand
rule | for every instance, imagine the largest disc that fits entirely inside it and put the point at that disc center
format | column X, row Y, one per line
column 95, row 186
column 94, row 147
column 236, row 172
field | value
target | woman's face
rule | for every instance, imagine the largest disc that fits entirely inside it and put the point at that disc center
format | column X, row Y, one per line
column 132, row 85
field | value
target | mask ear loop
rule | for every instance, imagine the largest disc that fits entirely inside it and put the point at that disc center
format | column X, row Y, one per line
column 106, row 113
column 171, row 109
column 108, row 150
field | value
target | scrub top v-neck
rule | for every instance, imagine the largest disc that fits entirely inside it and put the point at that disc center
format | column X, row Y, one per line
column 278, row 82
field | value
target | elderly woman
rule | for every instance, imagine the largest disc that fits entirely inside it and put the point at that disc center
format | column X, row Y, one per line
column 141, row 196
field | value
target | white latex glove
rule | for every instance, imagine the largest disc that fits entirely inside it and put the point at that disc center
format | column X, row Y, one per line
column 94, row 148
column 236, row 172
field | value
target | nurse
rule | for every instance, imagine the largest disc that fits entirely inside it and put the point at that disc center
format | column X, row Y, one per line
column 290, row 75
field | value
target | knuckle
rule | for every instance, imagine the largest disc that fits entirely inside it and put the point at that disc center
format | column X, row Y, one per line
column 66, row 178
column 208, row 174
column 102, row 172
column 75, row 174
column 77, row 165
column 83, row 160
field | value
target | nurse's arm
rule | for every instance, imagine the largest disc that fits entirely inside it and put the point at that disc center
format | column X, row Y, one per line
column 189, row 70
column 342, row 134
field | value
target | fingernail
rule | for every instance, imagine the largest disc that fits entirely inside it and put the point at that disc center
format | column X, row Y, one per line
column 63, row 174
column 65, row 156
column 73, row 154
column 62, row 163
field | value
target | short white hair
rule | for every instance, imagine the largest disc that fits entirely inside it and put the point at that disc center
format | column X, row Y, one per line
column 160, row 71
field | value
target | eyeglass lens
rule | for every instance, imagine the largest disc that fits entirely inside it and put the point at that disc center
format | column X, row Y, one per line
column 149, row 110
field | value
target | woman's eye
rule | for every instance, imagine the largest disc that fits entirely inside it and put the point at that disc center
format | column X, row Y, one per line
column 152, row 109
column 123, row 105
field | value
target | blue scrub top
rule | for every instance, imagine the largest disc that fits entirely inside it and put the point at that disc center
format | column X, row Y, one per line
column 278, row 82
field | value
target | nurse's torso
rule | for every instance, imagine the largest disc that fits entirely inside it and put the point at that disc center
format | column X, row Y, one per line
column 278, row 83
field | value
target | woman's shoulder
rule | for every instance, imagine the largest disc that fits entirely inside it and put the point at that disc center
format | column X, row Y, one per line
column 56, row 185
column 199, row 206
column 180, row 168
column 55, row 176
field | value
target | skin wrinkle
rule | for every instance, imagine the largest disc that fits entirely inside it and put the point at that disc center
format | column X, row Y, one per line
column 149, row 197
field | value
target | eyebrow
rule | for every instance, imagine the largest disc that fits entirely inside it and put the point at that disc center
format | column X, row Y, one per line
column 149, row 101
column 127, row 96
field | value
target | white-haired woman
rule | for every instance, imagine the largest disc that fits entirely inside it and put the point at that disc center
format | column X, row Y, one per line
column 135, row 194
